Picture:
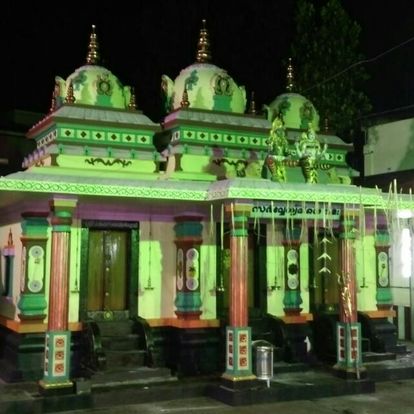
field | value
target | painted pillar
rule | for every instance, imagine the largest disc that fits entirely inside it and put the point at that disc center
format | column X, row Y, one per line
column 188, row 240
column 349, row 358
column 32, row 302
column 57, row 346
column 238, row 333
column 382, row 248
column 291, row 242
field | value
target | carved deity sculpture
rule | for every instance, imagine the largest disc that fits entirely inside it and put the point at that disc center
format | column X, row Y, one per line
column 278, row 151
column 310, row 152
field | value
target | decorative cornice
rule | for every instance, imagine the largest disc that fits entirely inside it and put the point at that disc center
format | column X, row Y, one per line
column 235, row 189
column 147, row 189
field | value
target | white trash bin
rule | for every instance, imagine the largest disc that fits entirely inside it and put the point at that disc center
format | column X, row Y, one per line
column 263, row 360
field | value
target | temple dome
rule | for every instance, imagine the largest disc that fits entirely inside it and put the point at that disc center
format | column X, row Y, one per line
column 203, row 85
column 294, row 109
column 92, row 84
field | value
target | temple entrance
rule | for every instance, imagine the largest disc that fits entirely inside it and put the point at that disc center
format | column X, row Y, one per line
column 107, row 282
column 256, row 277
column 107, row 271
column 324, row 268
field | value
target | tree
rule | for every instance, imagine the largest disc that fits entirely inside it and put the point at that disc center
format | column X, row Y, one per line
column 324, row 50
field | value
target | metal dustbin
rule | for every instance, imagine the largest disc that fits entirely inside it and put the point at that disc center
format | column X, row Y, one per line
column 263, row 360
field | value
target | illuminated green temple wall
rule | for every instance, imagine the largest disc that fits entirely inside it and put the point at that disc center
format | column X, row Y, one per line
column 157, row 274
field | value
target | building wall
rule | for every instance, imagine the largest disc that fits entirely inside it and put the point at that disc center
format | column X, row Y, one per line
column 365, row 273
column 389, row 148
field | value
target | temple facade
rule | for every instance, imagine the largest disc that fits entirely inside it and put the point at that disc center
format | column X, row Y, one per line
column 129, row 243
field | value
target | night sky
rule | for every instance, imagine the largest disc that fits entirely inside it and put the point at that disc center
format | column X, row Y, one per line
column 141, row 40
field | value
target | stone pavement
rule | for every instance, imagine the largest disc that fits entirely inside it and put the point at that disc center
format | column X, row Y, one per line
column 389, row 389
column 395, row 397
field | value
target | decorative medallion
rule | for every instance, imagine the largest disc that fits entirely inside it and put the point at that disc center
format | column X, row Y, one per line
column 222, row 85
column 192, row 265
column 104, row 86
column 179, row 269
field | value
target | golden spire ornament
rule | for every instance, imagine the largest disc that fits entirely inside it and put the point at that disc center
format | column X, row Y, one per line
column 252, row 107
column 185, row 103
column 70, row 97
column 326, row 124
column 93, row 57
column 132, row 106
column 289, row 77
column 53, row 103
column 203, row 48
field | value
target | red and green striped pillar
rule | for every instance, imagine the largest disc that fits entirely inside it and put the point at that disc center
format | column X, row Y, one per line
column 238, row 333
column 349, row 357
column 56, row 373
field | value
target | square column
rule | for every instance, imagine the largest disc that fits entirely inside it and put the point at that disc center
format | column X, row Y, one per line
column 349, row 359
column 238, row 333
column 57, row 345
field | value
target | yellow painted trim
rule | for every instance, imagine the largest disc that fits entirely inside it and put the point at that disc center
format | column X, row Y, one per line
column 302, row 318
column 239, row 378
column 182, row 323
column 32, row 327
column 55, row 385
column 388, row 313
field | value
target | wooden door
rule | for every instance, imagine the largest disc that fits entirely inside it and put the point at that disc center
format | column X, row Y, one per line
column 107, row 270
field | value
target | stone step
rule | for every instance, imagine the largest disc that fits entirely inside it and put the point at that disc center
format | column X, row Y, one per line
column 281, row 367
column 120, row 343
column 378, row 356
column 115, row 328
column 115, row 359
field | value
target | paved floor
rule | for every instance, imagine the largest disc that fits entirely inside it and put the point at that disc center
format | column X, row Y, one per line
column 395, row 397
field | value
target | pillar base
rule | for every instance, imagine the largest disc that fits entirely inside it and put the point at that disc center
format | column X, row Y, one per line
column 55, row 388
column 292, row 312
column 383, row 307
column 188, row 315
column 31, row 319
column 350, row 374
column 238, row 383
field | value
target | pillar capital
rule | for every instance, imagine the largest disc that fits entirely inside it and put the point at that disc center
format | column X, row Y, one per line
column 62, row 210
column 239, row 213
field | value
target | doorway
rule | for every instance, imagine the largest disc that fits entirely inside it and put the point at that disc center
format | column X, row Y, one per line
column 109, row 271
column 324, row 268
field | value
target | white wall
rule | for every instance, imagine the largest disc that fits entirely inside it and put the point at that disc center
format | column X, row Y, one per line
column 389, row 148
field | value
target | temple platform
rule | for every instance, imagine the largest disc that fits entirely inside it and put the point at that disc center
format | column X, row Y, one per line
column 145, row 385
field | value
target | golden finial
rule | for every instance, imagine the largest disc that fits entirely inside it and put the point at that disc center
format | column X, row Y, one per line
column 10, row 239
column 203, row 51
column 70, row 98
column 93, row 57
column 185, row 103
column 252, row 107
column 289, row 77
column 53, row 103
column 132, row 106
column 326, row 125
